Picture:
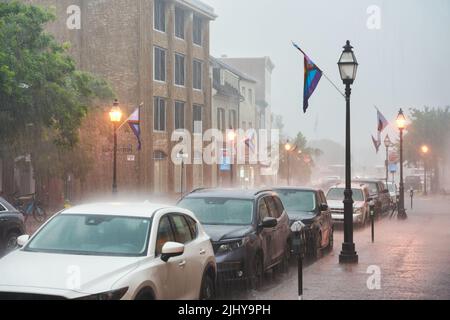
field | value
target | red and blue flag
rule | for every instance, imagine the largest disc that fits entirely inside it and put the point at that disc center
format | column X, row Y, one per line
column 312, row 78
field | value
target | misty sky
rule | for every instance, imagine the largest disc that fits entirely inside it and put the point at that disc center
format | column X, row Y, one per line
column 405, row 64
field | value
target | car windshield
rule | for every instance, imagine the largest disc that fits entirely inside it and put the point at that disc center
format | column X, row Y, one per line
column 220, row 211
column 338, row 194
column 372, row 186
column 294, row 200
column 93, row 235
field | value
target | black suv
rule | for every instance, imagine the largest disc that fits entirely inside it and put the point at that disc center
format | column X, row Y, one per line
column 311, row 208
column 11, row 227
column 379, row 193
column 249, row 230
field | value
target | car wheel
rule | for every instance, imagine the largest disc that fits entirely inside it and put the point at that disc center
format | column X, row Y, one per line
column 145, row 295
column 317, row 252
column 208, row 289
column 257, row 276
column 331, row 240
column 11, row 241
column 286, row 259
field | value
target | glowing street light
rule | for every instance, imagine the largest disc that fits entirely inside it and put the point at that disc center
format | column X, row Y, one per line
column 115, row 116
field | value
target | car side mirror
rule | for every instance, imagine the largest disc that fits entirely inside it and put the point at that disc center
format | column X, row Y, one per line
column 324, row 207
column 171, row 250
column 22, row 240
column 269, row 223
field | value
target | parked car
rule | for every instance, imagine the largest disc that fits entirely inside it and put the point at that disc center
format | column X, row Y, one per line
column 379, row 193
column 11, row 227
column 311, row 208
column 414, row 182
column 112, row 251
column 249, row 230
column 361, row 197
column 393, row 192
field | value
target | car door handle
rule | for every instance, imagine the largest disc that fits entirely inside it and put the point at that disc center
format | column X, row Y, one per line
column 202, row 252
column 182, row 264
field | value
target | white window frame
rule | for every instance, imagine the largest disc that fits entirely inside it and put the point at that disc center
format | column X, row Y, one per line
column 175, row 24
column 154, row 64
column 154, row 17
column 175, row 114
column 157, row 105
column 201, row 31
column 201, row 74
column 175, row 70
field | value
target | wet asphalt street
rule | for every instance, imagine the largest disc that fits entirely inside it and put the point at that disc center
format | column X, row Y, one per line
column 413, row 258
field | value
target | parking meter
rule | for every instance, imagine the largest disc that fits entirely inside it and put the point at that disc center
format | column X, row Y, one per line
column 298, row 243
column 411, row 193
column 372, row 217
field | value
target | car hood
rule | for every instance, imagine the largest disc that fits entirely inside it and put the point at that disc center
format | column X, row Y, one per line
column 70, row 276
column 338, row 204
column 224, row 232
column 300, row 215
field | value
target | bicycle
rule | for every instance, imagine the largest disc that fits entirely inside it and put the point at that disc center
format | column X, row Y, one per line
column 29, row 205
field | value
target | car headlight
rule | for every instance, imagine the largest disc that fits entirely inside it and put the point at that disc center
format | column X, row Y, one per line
column 111, row 295
column 232, row 245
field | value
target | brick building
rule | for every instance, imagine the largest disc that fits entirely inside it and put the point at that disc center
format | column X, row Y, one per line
column 154, row 52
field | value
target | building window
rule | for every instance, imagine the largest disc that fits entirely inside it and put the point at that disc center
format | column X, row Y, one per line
column 198, row 118
column 179, row 115
column 233, row 119
column 197, row 74
column 159, row 114
column 244, row 125
column 221, row 119
column 197, row 30
column 179, row 69
column 250, row 96
column 160, row 64
column 160, row 15
column 243, row 92
column 179, row 23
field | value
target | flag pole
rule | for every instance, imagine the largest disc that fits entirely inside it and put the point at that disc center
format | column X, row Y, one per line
column 323, row 73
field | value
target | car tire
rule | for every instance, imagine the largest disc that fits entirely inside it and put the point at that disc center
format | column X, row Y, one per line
column 207, row 291
column 257, row 273
column 284, row 267
column 145, row 295
column 317, row 250
column 331, row 240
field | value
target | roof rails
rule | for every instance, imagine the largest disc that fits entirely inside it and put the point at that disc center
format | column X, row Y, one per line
column 196, row 190
column 262, row 191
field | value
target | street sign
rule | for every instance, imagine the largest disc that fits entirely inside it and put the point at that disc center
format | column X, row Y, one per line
column 225, row 164
column 394, row 157
column 393, row 167
column 131, row 158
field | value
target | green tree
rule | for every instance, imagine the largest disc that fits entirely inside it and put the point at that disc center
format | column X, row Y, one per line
column 43, row 97
column 431, row 127
column 301, row 159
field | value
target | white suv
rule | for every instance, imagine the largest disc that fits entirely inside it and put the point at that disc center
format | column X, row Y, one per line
column 113, row 251
column 335, row 198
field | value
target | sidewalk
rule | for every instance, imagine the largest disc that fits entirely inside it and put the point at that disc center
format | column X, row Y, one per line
column 413, row 256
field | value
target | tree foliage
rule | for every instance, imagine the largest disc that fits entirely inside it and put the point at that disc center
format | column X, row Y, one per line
column 431, row 127
column 43, row 97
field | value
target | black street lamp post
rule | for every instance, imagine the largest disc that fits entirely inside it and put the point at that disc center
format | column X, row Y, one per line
column 115, row 116
column 348, row 67
column 401, row 124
